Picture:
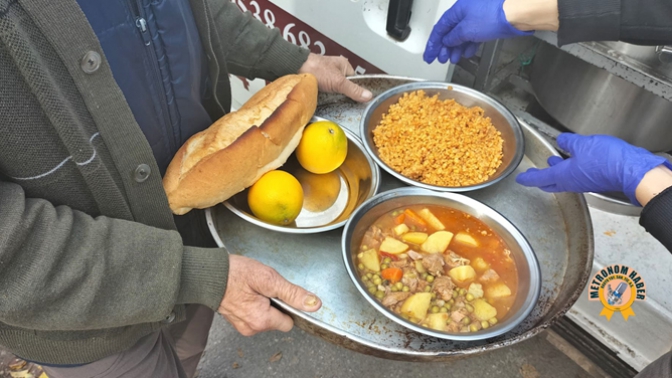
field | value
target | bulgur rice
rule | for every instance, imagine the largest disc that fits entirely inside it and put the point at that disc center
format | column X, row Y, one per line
column 438, row 142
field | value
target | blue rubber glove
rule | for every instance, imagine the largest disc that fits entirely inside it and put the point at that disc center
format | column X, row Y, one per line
column 598, row 164
column 464, row 26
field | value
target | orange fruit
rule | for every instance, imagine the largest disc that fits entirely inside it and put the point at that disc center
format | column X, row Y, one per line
column 277, row 198
column 323, row 147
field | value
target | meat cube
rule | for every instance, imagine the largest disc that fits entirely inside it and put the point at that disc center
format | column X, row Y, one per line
column 457, row 316
column 433, row 263
column 489, row 276
column 453, row 327
column 395, row 297
column 410, row 278
column 453, row 260
column 401, row 264
column 443, row 287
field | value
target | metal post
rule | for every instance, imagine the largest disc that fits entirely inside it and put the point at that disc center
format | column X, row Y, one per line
column 487, row 64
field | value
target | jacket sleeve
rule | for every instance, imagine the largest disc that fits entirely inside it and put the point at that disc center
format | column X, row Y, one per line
column 642, row 22
column 252, row 49
column 656, row 218
column 61, row 269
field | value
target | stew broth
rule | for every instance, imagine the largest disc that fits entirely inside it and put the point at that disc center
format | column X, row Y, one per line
column 438, row 267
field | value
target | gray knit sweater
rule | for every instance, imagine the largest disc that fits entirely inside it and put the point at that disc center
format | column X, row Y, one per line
column 90, row 260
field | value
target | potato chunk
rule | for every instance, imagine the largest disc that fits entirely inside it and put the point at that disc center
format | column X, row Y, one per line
column 437, row 242
column 480, row 265
column 415, row 237
column 370, row 260
column 393, row 246
column 431, row 219
column 483, row 310
column 466, row 239
column 462, row 274
column 498, row 290
column 401, row 229
column 416, row 305
column 438, row 321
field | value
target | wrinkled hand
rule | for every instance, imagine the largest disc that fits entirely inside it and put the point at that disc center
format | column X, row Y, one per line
column 331, row 73
column 598, row 164
column 464, row 26
column 246, row 304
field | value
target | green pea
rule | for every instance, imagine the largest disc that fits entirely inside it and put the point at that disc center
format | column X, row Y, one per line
column 387, row 260
column 470, row 297
column 365, row 278
column 473, row 327
column 393, row 289
column 372, row 290
column 433, row 295
column 469, row 308
column 435, row 309
column 463, row 291
column 448, row 306
column 428, row 289
column 456, row 293
column 360, row 266
column 384, row 266
column 443, row 309
column 492, row 321
column 430, row 278
column 370, row 275
column 485, row 325
column 466, row 320
column 377, row 281
column 405, row 289
column 452, row 301
column 399, row 285
column 380, row 294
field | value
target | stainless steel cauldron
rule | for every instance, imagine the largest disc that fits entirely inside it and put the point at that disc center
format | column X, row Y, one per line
column 590, row 100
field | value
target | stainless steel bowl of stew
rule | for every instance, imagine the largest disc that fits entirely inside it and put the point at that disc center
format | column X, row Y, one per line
column 442, row 264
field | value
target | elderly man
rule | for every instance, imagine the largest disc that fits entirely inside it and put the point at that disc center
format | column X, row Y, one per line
column 97, row 278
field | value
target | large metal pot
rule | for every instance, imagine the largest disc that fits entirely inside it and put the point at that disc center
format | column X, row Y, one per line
column 590, row 100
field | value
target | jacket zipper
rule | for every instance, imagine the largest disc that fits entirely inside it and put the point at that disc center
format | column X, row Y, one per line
column 141, row 24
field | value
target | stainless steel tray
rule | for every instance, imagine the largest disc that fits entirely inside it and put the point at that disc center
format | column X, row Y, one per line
column 557, row 226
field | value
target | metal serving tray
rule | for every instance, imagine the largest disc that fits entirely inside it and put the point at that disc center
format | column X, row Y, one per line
column 558, row 227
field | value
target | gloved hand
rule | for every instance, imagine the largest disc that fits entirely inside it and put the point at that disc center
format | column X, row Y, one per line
column 598, row 163
column 462, row 27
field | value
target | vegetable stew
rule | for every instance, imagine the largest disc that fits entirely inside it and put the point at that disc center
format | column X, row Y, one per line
column 438, row 267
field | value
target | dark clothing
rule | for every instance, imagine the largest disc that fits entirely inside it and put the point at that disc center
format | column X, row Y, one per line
column 642, row 22
column 656, row 218
column 173, row 352
column 157, row 59
column 90, row 259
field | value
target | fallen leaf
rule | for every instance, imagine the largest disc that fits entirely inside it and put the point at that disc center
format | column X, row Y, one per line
column 235, row 365
column 240, row 353
column 276, row 357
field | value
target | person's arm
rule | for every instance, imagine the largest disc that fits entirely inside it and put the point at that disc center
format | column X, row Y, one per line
column 255, row 51
column 655, row 193
column 61, row 269
column 642, row 22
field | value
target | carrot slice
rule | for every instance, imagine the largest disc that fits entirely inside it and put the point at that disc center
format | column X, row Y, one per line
column 392, row 274
column 415, row 218
column 400, row 218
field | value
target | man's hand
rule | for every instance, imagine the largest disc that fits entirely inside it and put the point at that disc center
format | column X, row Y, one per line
column 246, row 303
column 331, row 73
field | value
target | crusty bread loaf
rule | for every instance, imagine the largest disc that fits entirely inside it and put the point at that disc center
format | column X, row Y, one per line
column 235, row 151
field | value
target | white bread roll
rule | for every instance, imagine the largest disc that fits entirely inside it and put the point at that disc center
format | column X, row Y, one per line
column 240, row 147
